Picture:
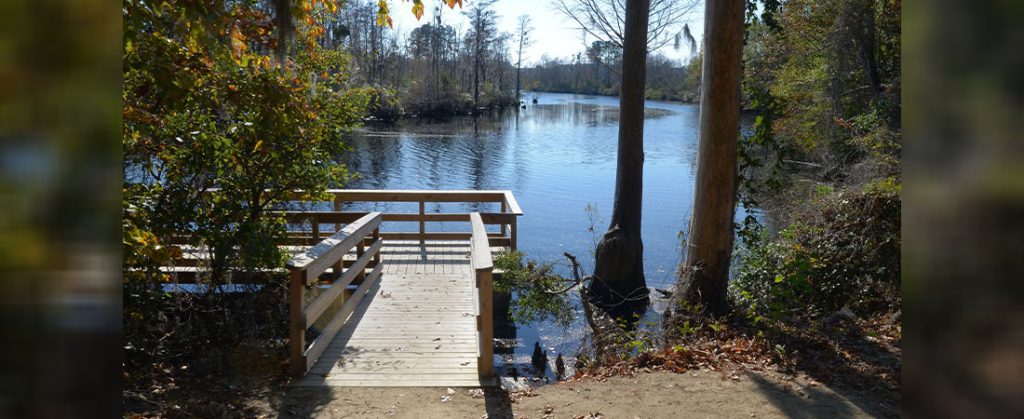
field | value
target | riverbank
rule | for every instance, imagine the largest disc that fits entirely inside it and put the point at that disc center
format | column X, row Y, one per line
column 691, row 98
column 698, row 393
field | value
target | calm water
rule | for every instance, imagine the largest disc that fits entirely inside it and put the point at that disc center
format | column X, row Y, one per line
column 558, row 157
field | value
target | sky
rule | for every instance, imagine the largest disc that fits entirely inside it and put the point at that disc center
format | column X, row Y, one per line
column 554, row 34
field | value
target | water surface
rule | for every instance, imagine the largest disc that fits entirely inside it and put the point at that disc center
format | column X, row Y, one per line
column 557, row 157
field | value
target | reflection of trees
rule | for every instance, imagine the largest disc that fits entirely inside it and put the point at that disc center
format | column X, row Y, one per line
column 374, row 158
column 575, row 113
column 487, row 152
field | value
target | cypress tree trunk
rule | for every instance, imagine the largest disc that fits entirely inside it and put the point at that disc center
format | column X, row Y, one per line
column 619, row 286
column 709, row 247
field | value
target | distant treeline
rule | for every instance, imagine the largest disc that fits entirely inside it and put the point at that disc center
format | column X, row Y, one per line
column 437, row 69
column 440, row 69
column 596, row 72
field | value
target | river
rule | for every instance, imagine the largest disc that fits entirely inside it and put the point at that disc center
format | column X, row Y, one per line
column 558, row 157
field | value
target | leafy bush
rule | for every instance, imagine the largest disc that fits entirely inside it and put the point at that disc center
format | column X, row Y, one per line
column 217, row 132
column 384, row 104
column 848, row 255
column 538, row 294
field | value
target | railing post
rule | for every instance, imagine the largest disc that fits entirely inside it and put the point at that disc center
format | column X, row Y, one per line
column 337, row 208
column 483, row 266
column 376, row 256
column 512, row 233
column 504, row 207
column 486, row 322
column 360, row 249
column 423, row 222
column 315, row 221
column 297, row 335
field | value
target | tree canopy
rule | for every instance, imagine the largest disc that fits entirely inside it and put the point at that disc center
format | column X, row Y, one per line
column 217, row 129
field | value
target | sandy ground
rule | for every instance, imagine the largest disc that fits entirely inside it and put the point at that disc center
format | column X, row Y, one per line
column 698, row 394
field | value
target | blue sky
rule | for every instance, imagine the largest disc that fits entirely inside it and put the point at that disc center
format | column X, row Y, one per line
column 554, row 34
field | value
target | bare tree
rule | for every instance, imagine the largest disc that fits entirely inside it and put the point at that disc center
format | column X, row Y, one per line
column 483, row 31
column 605, row 19
column 523, row 30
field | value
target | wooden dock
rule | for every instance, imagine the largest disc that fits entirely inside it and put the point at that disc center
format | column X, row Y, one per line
column 408, row 309
column 415, row 327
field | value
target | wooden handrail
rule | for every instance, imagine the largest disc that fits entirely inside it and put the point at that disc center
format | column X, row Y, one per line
column 307, row 268
column 320, row 221
column 506, row 218
column 328, row 217
column 412, row 195
column 483, row 266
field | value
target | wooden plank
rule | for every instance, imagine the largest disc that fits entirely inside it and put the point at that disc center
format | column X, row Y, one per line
column 405, row 332
column 426, row 342
column 513, row 235
column 427, row 236
column 324, row 300
column 346, row 365
column 400, row 376
column 297, row 323
column 322, row 341
column 424, row 332
column 399, row 346
column 480, row 248
column 513, row 205
column 500, row 241
column 423, row 223
column 400, row 381
column 412, row 336
column 486, row 327
column 323, row 255
column 483, row 264
column 355, row 372
column 327, row 217
column 366, row 195
column 392, row 354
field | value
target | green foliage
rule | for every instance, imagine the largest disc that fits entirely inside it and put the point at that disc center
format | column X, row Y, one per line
column 216, row 133
column 825, row 77
column 597, row 72
column 635, row 341
column 384, row 104
column 538, row 294
column 824, row 80
column 847, row 255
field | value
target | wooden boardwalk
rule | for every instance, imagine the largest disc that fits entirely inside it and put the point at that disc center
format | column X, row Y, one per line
column 373, row 307
column 416, row 325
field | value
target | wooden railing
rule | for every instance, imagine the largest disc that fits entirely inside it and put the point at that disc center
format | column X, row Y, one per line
column 506, row 218
column 361, row 231
column 483, row 266
column 306, row 270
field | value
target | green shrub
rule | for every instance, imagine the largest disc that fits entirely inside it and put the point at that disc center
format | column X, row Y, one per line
column 384, row 104
column 539, row 294
column 846, row 255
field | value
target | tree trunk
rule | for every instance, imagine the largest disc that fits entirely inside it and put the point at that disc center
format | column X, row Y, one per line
column 619, row 286
column 519, row 64
column 866, row 40
column 476, row 72
column 709, row 247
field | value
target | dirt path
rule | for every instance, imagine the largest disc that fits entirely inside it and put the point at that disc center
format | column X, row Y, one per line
column 697, row 394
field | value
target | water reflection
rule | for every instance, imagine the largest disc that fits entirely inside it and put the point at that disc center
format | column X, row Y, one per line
column 557, row 156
